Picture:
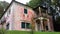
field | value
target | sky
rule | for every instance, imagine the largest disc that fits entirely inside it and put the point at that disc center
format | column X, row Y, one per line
column 22, row 1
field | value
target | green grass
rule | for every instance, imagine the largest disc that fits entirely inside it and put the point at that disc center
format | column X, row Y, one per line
column 27, row 32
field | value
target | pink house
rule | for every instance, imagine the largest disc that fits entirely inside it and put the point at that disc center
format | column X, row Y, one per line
column 18, row 16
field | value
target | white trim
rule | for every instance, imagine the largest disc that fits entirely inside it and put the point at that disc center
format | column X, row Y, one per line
column 10, row 24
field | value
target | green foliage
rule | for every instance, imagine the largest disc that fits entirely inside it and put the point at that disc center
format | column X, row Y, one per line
column 55, row 2
column 2, row 31
column 58, row 20
column 34, row 3
column 3, row 4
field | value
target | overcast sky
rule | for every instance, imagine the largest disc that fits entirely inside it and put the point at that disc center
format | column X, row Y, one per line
column 22, row 1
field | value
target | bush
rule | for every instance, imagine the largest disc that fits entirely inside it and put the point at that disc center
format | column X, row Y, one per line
column 2, row 31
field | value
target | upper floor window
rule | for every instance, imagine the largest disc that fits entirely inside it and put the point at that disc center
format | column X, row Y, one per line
column 25, row 11
column 8, row 12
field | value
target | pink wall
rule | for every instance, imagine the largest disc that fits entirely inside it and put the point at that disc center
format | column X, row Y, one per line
column 19, row 16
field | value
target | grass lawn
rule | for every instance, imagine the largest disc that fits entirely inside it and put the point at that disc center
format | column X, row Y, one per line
column 29, row 32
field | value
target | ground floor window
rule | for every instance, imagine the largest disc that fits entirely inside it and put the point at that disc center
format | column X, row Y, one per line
column 25, row 25
column 28, row 25
column 7, row 26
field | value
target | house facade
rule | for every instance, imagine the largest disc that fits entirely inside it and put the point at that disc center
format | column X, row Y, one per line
column 18, row 16
column 43, row 19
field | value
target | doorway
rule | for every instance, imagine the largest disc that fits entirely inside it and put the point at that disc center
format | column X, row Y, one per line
column 38, row 24
column 7, row 26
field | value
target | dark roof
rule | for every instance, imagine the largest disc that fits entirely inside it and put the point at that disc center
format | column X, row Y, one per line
column 41, row 7
column 10, row 5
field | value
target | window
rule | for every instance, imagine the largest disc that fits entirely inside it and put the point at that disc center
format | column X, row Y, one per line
column 28, row 25
column 25, row 11
column 25, row 25
column 7, row 26
column 46, row 27
column 8, row 12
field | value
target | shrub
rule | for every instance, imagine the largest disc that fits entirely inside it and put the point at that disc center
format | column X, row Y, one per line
column 2, row 31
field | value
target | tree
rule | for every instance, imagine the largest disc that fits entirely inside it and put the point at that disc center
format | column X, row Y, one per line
column 34, row 3
column 51, row 5
column 58, row 20
column 57, row 24
column 3, row 4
